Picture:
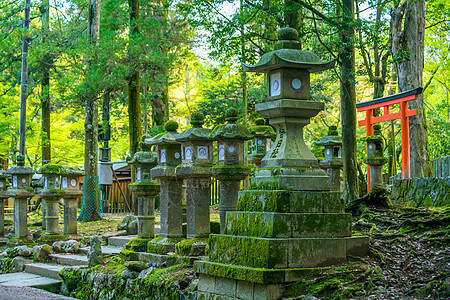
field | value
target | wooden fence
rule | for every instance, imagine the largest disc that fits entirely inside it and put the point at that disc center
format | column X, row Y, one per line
column 113, row 200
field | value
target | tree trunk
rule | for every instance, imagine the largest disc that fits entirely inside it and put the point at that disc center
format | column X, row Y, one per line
column 348, row 103
column 293, row 16
column 45, row 93
column 408, row 34
column 134, row 98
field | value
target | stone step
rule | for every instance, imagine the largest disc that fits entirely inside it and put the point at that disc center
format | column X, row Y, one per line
column 120, row 240
column 106, row 250
column 46, row 270
column 22, row 279
column 69, row 259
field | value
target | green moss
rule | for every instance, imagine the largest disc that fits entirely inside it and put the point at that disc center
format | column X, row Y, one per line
column 215, row 226
column 5, row 265
column 137, row 245
column 186, row 247
column 162, row 245
column 128, row 254
column 171, row 126
column 53, row 169
column 58, row 192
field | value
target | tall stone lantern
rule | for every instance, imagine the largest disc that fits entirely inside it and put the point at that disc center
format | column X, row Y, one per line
column 197, row 159
column 171, row 195
column 263, row 135
column 145, row 190
column 375, row 157
column 3, row 197
column 332, row 157
column 230, row 168
column 52, row 193
column 21, row 191
column 289, row 223
column 70, row 183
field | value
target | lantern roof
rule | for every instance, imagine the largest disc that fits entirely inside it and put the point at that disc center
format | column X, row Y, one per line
column 261, row 130
column 197, row 132
column 288, row 54
column 231, row 130
column 330, row 140
column 53, row 169
column 144, row 158
column 20, row 168
column 75, row 171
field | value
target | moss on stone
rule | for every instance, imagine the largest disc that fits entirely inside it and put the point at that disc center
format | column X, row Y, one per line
column 58, row 192
column 186, row 247
column 171, row 126
column 53, row 169
column 137, row 245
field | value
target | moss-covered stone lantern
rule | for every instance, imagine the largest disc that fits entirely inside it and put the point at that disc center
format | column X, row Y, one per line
column 263, row 135
column 230, row 168
column 197, row 159
column 70, row 183
column 145, row 190
column 21, row 191
column 332, row 157
column 375, row 157
column 288, row 222
column 171, row 195
column 52, row 194
column 3, row 197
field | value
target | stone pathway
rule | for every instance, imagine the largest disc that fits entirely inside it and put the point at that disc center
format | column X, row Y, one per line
column 27, row 293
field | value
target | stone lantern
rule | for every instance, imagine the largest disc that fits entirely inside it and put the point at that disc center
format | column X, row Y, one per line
column 197, row 159
column 171, row 195
column 145, row 190
column 375, row 157
column 21, row 191
column 289, row 223
column 3, row 197
column 263, row 135
column 333, row 157
column 230, row 168
column 52, row 193
column 70, row 182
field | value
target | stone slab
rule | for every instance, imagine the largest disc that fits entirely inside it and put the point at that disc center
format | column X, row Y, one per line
column 120, row 240
column 25, row 279
column 358, row 245
column 284, row 201
column 69, row 259
column 168, row 260
column 287, row 225
column 46, row 270
column 106, row 250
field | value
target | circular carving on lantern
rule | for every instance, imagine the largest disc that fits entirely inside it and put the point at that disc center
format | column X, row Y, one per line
column 24, row 180
column 296, row 83
column 177, row 155
column 328, row 151
column 260, row 142
column 231, row 149
column 73, row 182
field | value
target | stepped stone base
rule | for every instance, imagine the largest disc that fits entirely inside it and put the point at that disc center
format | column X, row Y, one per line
column 291, row 179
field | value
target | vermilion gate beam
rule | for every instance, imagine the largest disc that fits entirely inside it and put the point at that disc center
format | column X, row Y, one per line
column 403, row 115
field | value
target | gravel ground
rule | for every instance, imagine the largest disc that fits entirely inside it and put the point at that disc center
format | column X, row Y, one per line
column 27, row 293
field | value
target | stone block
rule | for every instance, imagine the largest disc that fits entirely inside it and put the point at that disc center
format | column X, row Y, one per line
column 206, row 283
column 358, row 245
column 321, row 225
column 267, row 291
column 316, row 252
column 225, row 286
column 244, row 289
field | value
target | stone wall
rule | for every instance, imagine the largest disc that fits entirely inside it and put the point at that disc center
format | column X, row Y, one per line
column 418, row 192
column 441, row 166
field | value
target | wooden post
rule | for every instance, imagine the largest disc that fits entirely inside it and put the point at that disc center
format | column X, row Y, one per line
column 405, row 139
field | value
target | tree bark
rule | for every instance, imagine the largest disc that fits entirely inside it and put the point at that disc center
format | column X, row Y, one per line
column 45, row 92
column 408, row 39
column 348, row 103
column 293, row 16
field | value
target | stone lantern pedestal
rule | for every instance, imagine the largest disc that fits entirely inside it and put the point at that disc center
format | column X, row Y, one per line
column 70, row 182
column 375, row 157
column 21, row 191
column 3, row 197
column 145, row 191
column 230, row 168
column 197, row 159
column 171, row 195
column 263, row 134
column 332, row 157
column 52, row 194
column 289, row 223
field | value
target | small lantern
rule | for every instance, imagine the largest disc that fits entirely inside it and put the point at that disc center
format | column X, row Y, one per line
column 375, row 157
column 263, row 135
column 196, row 146
column 3, row 182
column 332, row 162
column 52, row 174
column 21, row 175
column 70, row 180
column 143, row 163
column 104, row 154
column 169, row 150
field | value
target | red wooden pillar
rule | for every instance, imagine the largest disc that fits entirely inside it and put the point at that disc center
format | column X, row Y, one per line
column 369, row 132
column 404, row 122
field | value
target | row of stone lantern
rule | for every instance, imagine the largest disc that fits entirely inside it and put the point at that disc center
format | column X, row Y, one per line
column 59, row 182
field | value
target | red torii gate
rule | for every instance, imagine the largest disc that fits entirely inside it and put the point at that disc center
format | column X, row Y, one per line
column 403, row 115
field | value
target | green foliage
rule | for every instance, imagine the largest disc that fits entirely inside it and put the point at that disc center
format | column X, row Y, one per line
column 171, row 126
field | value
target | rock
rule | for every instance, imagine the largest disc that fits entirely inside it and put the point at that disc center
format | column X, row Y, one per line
column 145, row 272
column 126, row 223
column 23, row 251
column 85, row 242
column 37, row 234
column 127, row 274
column 95, row 256
column 70, row 246
column 41, row 252
column 18, row 264
column 133, row 227
column 137, row 266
